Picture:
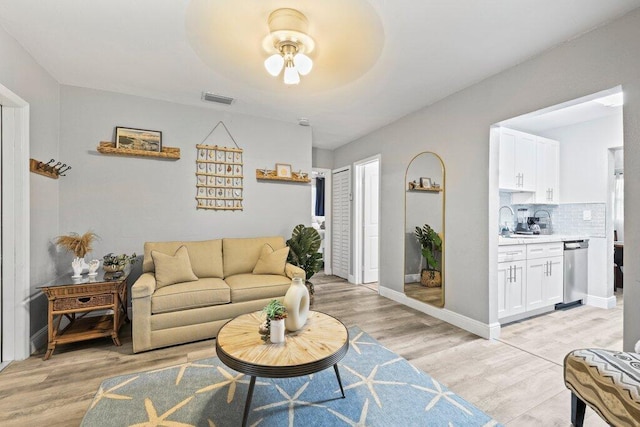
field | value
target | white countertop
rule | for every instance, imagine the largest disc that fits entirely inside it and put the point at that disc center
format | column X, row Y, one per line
column 517, row 239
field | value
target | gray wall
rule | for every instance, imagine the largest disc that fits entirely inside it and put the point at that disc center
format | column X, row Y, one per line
column 457, row 128
column 322, row 158
column 24, row 77
column 128, row 201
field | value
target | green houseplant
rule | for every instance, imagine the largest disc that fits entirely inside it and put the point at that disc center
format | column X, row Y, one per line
column 276, row 312
column 431, row 244
column 303, row 252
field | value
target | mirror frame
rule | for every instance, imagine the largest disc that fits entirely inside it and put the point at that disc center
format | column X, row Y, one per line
column 444, row 236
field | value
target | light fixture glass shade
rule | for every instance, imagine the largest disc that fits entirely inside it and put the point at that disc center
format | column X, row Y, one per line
column 274, row 64
column 303, row 63
column 291, row 76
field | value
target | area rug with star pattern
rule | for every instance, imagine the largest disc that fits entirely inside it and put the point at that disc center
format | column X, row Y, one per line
column 381, row 388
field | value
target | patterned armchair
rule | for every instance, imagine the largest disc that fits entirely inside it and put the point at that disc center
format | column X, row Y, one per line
column 608, row 381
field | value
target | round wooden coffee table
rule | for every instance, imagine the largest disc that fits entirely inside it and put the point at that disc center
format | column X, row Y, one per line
column 320, row 344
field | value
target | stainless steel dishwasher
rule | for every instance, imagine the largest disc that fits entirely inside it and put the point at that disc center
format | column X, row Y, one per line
column 576, row 266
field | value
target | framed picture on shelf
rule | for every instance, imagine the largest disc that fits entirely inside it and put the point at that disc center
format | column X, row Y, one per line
column 139, row 139
column 283, row 170
column 425, row 182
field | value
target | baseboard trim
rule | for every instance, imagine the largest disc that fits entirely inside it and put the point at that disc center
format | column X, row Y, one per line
column 411, row 278
column 484, row 330
column 602, row 302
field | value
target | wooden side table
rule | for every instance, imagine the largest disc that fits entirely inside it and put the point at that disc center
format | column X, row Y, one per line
column 74, row 299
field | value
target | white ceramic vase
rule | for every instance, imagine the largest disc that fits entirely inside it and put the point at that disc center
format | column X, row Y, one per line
column 276, row 333
column 296, row 301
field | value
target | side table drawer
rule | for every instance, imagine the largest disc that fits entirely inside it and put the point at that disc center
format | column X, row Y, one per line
column 79, row 302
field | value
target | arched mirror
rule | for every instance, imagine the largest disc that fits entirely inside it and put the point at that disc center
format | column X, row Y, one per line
column 424, row 237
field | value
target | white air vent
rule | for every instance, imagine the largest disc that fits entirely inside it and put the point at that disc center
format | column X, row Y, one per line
column 212, row 97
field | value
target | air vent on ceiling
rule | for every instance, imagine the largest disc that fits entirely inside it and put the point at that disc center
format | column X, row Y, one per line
column 212, row 97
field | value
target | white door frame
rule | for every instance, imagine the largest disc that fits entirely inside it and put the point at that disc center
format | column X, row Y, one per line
column 327, row 217
column 15, row 226
column 358, row 215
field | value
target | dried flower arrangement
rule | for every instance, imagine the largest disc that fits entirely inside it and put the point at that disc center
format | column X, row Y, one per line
column 79, row 245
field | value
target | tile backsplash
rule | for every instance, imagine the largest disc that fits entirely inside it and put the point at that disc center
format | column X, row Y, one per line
column 566, row 218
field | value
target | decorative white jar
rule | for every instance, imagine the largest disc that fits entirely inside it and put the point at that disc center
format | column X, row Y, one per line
column 276, row 334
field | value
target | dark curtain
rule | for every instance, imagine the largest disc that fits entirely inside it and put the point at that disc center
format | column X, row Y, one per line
column 319, row 196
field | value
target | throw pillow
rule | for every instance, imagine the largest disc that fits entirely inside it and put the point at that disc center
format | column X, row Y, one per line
column 172, row 269
column 270, row 261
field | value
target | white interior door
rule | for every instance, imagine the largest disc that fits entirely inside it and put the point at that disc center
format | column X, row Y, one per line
column 341, row 222
column 370, row 223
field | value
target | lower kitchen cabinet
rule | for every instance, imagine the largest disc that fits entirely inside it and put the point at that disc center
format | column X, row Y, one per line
column 511, row 288
column 530, row 279
column 544, row 282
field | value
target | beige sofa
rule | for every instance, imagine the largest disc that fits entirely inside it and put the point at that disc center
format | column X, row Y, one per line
column 225, row 288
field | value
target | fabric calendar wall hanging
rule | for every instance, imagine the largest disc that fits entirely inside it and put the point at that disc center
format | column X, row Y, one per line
column 219, row 175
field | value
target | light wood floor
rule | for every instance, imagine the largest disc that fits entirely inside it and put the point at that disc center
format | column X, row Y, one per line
column 517, row 379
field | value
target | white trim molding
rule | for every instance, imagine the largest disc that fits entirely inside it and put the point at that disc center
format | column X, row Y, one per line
column 601, row 302
column 484, row 330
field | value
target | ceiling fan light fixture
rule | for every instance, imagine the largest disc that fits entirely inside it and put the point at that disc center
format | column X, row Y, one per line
column 289, row 39
column 274, row 64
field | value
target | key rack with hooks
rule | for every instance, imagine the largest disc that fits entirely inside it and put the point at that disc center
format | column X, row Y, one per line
column 51, row 169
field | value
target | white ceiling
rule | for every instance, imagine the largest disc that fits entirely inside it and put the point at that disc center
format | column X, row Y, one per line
column 430, row 49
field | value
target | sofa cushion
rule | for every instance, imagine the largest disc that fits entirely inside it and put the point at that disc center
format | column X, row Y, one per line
column 205, row 256
column 270, row 261
column 241, row 255
column 248, row 287
column 172, row 269
column 187, row 295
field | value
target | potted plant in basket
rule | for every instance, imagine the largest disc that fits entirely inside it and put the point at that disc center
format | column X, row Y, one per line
column 274, row 325
column 431, row 244
column 303, row 252
column 112, row 263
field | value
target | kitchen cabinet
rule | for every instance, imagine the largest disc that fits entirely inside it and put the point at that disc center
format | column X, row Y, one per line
column 530, row 278
column 511, row 280
column 547, row 171
column 517, row 164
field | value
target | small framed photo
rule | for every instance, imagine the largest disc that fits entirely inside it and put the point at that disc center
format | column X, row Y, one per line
column 283, row 170
column 139, row 139
column 425, row 182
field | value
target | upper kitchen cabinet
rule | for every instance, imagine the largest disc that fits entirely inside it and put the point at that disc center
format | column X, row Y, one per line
column 548, row 175
column 517, row 161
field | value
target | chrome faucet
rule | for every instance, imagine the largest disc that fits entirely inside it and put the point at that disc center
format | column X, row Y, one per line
column 506, row 230
column 549, row 229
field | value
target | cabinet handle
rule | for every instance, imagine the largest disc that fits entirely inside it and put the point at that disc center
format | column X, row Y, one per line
column 515, row 277
column 550, row 265
column 510, row 273
column 551, row 194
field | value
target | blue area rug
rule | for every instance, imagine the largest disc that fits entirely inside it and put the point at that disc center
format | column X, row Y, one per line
column 381, row 388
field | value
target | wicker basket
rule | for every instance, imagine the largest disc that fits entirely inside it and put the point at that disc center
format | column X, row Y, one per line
column 431, row 278
column 113, row 268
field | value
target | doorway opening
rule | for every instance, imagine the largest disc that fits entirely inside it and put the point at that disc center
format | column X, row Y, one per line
column 560, row 182
column 366, row 221
column 321, row 212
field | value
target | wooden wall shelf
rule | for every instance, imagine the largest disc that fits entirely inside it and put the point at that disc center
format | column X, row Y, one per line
column 167, row 153
column 270, row 175
column 426, row 190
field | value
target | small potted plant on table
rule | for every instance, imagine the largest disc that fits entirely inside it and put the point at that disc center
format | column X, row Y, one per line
column 112, row 263
column 276, row 313
column 431, row 244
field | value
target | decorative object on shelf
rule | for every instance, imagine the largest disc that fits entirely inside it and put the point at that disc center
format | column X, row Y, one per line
column 283, row 170
column 289, row 42
column 271, row 175
column 303, row 252
column 276, row 313
column 112, row 263
column 425, row 182
column 296, row 300
column 79, row 246
column 93, row 267
column 138, row 139
column 167, row 153
column 49, row 169
column 413, row 185
column 431, row 244
column 219, row 175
